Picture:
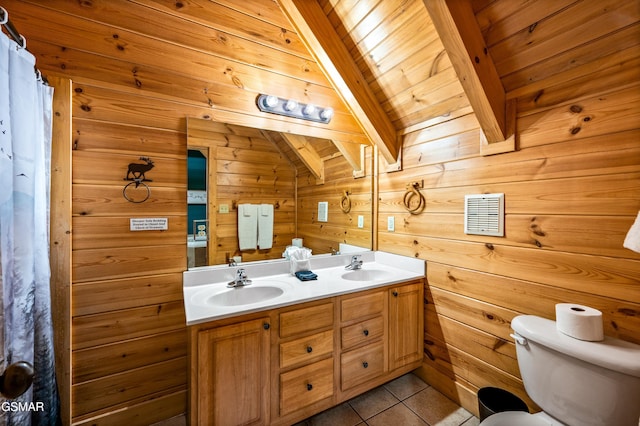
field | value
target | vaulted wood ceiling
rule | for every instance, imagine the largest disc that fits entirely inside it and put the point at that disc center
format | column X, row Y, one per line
column 399, row 64
column 385, row 66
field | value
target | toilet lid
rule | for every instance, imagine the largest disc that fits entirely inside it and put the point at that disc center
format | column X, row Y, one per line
column 510, row 418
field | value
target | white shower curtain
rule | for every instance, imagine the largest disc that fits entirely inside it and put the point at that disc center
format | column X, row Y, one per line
column 25, row 152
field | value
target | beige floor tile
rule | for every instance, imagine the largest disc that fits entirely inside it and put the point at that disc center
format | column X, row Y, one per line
column 373, row 402
column 473, row 421
column 342, row 415
column 398, row 415
column 437, row 409
column 405, row 386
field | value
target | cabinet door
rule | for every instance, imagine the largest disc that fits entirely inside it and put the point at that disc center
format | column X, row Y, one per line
column 233, row 379
column 405, row 325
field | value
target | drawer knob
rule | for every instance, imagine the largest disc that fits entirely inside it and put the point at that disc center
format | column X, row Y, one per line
column 365, row 364
column 309, row 386
column 365, row 332
column 309, row 349
column 266, row 326
column 395, row 293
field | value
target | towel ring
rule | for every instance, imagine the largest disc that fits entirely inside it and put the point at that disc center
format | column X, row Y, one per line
column 137, row 183
column 345, row 202
column 413, row 191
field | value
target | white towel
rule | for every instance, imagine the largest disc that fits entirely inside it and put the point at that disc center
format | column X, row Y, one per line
column 632, row 242
column 265, row 226
column 247, row 226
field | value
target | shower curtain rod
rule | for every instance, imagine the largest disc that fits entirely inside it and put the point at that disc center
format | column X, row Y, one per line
column 17, row 37
column 11, row 29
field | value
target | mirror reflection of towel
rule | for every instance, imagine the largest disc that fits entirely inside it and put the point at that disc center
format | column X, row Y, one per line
column 247, row 226
column 265, row 226
column 632, row 241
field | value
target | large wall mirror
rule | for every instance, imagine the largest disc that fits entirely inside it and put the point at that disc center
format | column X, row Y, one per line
column 286, row 180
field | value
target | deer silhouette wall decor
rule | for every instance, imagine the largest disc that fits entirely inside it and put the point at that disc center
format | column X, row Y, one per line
column 136, row 171
column 135, row 174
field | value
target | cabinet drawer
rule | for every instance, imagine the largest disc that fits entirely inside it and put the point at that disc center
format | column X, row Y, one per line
column 306, row 319
column 306, row 348
column 361, row 306
column 361, row 365
column 306, row 385
column 362, row 332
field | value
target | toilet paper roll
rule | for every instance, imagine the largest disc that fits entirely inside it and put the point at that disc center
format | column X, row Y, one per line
column 580, row 322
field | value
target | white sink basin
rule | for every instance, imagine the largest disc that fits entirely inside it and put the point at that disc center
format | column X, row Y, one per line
column 366, row 275
column 246, row 295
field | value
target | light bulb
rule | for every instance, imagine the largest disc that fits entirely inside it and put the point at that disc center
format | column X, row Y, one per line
column 326, row 113
column 308, row 109
column 271, row 101
column 290, row 105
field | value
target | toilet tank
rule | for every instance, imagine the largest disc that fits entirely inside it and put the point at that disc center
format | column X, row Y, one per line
column 575, row 381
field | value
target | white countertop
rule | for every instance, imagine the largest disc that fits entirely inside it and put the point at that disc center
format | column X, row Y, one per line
column 378, row 269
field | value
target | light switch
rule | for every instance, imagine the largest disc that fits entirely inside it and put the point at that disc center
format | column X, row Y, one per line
column 391, row 224
column 323, row 211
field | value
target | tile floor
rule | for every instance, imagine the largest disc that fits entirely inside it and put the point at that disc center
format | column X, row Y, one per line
column 405, row 401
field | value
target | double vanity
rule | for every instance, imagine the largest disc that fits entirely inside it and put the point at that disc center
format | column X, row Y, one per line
column 267, row 348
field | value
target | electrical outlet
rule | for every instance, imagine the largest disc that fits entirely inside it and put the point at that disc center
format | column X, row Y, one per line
column 391, row 224
column 224, row 208
column 360, row 221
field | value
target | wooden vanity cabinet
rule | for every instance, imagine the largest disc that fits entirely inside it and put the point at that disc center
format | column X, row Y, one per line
column 406, row 319
column 363, row 354
column 282, row 366
column 230, row 373
column 305, row 370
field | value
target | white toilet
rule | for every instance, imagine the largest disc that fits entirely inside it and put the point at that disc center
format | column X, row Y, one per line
column 575, row 382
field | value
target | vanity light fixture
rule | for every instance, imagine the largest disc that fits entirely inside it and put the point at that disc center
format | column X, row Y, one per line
column 294, row 109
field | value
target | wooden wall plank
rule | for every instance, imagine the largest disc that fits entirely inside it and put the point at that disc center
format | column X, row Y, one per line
column 104, row 232
column 130, row 261
column 101, row 200
column 96, row 136
column 112, row 295
column 596, row 235
column 614, row 278
column 119, row 388
column 147, row 411
column 620, row 317
column 93, row 363
column 111, row 327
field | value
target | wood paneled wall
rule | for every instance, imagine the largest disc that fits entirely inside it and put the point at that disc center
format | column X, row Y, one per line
column 341, row 227
column 140, row 67
column 571, row 194
column 246, row 167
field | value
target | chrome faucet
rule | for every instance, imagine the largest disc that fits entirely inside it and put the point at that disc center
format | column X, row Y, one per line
column 240, row 280
column 356, row 263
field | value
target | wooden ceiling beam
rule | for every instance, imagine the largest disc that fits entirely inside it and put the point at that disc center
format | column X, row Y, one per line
column 354, row 155
column 317, row 33
column 307, row 154
column 460, row 33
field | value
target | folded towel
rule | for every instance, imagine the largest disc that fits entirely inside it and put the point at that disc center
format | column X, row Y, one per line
column 265, row 226
column 306, row 276
column 247, row 226
column 632, row 241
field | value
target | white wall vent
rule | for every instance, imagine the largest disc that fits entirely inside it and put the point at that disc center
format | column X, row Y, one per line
column 484, row 214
